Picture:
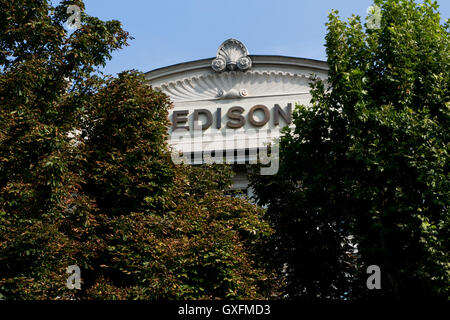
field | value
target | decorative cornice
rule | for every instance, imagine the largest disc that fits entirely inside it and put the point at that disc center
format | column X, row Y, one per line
column 235, row 85
column 231, row 55
column 222, row 78
column 204, row 65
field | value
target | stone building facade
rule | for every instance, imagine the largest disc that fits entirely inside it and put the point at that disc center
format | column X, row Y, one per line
column 230, row 106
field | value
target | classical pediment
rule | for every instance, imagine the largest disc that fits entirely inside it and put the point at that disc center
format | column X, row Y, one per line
column 234, row 74
column 235, row 85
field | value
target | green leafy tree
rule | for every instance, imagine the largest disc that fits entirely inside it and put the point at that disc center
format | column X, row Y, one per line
column 369, row 159
column 39, row 173
column 86, row 177
column 170, row 231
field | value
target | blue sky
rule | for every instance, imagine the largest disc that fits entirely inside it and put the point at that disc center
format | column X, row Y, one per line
column 169, row 32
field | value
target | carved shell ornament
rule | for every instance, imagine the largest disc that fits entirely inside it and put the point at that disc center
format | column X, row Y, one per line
column 231, row 55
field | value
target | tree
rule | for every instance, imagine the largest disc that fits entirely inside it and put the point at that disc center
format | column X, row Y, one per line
column 169, row 231
column 38, row 163
column 86, row 177
column 369, row 160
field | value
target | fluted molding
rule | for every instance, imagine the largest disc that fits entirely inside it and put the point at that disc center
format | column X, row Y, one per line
column 235, row 85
